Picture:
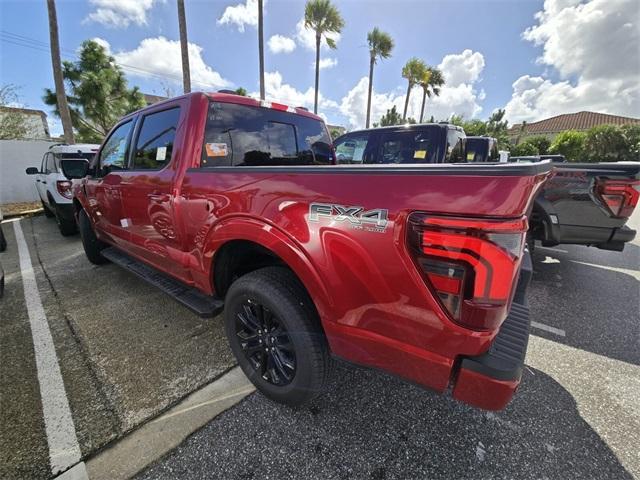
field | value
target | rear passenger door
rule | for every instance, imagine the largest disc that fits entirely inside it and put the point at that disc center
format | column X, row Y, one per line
column 147, row 188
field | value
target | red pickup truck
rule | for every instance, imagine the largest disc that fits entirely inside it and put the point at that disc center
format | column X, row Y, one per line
column 229, row 203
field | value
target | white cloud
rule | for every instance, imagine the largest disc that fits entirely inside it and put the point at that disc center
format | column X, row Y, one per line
column 161, row 57
column 595, row 48
column 241, row 14
column 461, row 68
column 119, row 13
column 278, row 91
column 307, row 37
column 281, row 44
column 326, row 63
column 458, row 96
column 100, row 41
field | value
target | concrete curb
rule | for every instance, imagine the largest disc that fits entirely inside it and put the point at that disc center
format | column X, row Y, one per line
column 147, row 444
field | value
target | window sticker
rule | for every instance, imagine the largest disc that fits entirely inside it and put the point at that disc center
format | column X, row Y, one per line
column 216, row 149
column 420, row 154
column 161, row 154
column 470, row 156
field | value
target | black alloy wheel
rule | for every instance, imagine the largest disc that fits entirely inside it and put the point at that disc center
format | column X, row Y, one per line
column 265, row 343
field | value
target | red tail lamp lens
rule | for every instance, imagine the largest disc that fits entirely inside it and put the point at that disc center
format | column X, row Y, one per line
column 619, row 196
column 472, row 264
column 64, row 188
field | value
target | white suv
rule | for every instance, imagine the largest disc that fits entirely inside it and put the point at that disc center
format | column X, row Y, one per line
column 54, row 188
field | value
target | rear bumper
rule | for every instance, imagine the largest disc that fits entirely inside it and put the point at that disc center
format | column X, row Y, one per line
column 489, row 380
column 601, row 237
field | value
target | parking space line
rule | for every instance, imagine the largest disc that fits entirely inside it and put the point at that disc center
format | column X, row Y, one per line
column 64, row 450
column 548, row 328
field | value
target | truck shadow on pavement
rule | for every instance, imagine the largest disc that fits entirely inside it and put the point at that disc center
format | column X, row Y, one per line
column 591, row 295
column 373, row 426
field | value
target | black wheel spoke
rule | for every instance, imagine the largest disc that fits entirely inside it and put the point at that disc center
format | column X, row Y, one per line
column 265, row 343
column 280, row 365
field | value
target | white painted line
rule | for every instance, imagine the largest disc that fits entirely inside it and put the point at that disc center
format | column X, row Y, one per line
column 549, row 329
column 64, row 450
column 553, row 249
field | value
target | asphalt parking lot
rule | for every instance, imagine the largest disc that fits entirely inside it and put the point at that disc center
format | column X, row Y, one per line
column 128, row 353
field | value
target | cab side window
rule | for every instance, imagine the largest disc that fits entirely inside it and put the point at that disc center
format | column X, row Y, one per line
column 350, row 148
column 114, row 153
column 154, row 146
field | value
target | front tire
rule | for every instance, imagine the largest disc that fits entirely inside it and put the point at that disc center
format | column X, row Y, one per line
column 275, row 335
column 92, row 246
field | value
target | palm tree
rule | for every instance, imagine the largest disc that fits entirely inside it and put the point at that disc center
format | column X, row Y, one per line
column 431, row 81
column 61, row 96
column 380, row 46
column 413, row 71
column 261, row 48
column 323, row 18
column 184, row 47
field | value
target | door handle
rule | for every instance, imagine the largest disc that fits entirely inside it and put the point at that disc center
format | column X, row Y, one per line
column 44, row 182
column 159, row 197
column 37, row 180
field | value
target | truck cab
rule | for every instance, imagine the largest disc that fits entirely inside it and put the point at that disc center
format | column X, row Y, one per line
column 402, row 144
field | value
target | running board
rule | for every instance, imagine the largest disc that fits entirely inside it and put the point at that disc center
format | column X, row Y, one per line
column 196, row 301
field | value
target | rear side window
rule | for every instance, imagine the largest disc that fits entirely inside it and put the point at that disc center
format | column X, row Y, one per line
column 50, row 166
column 154, row 145
column 455, row 146
column 242, row 135
column 407, row 147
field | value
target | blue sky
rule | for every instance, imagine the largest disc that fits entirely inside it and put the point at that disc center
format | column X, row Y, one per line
column 519, row 54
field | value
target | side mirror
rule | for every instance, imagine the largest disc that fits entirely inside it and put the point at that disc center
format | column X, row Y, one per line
column 32, row 171
column 74, row 168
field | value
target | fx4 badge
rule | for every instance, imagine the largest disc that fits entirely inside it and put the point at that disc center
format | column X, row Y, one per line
column 370, row 220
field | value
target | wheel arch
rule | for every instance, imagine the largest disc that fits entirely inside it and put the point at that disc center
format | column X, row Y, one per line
column 260, row 239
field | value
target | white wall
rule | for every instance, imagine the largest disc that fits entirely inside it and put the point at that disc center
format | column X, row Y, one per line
column 15, row 157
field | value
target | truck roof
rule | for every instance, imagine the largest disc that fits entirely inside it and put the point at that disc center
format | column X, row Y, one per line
column 240, row 100
column 411, row 126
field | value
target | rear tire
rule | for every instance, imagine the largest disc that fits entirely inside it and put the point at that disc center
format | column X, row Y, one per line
column 47, row 212
column 92, row 246
column 67, row 227
column 275, row 335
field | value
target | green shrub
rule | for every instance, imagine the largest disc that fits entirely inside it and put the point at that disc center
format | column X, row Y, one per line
column 606, row 143
column 632, row 134
column 541, row 143
column 570, row 143
column 524, row 149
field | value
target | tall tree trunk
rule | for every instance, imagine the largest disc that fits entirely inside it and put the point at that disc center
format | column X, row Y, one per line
column 406, row 101
column 184, row 48
column 371, row 63
column 61, row 96
column 315, row 102
column 424, row 100
column 261, row 48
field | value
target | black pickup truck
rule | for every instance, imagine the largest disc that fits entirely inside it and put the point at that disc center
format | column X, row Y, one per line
column 583, row 203
column 587, row 204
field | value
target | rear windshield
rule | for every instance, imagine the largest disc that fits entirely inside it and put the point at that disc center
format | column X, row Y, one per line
column 241, row 135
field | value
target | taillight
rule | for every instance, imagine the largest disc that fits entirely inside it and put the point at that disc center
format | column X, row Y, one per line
column 64, row 188
column 471, row 264
column 619, row 196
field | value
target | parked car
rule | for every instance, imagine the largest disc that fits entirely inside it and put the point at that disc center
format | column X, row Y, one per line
column 403, row 144
column 587, row 204
column 54, row 188
column 583, row 203
column 482, row 149
column 228, row 203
